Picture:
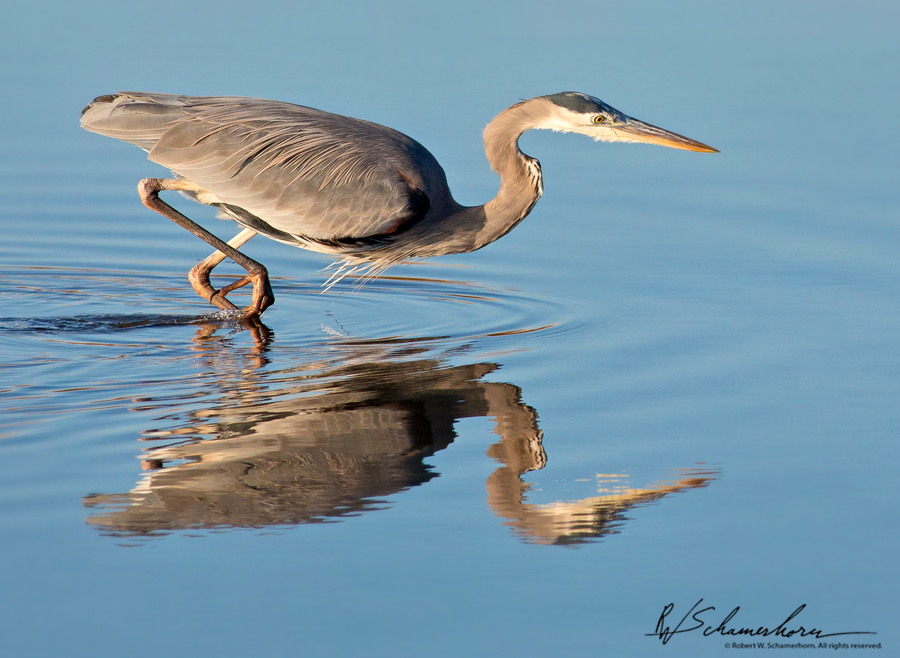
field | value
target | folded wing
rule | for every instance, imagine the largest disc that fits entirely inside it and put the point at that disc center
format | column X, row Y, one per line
column 306, row 173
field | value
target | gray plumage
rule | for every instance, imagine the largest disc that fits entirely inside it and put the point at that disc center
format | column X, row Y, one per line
column 334, row 184
column 304, row 172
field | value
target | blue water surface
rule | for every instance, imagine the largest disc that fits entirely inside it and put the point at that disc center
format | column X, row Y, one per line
column 676, row 380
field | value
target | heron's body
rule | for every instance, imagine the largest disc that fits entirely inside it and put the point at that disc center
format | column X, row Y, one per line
column 334, row 184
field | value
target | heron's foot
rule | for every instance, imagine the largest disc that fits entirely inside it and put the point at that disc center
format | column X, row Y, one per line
column 218, row 297
column 199, row 278
column 263, row 296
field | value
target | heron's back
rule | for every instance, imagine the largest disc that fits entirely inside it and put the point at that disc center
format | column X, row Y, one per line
column 322, row 177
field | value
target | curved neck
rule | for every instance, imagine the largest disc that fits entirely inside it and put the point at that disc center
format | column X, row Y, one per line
column 520, row 175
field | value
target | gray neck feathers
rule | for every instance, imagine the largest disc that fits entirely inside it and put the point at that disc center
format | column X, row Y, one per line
column 520, row 175
column 470, row 228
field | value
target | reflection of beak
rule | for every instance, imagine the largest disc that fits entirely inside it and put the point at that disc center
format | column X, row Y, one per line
column 645, row 132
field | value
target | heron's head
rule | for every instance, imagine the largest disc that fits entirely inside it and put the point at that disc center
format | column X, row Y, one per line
column 571, row 111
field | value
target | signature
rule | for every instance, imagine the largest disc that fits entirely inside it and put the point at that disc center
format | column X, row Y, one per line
column 665, row 632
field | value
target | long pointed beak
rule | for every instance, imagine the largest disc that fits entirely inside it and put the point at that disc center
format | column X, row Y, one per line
column 639, row 131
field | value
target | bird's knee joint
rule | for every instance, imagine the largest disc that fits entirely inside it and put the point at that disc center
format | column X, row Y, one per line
column 258, row 270
column 198, row 276
column 148, row 188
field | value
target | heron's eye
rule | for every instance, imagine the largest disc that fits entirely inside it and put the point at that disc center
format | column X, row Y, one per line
column 599, row 118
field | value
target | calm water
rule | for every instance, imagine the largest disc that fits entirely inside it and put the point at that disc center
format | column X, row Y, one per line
column 677, row 379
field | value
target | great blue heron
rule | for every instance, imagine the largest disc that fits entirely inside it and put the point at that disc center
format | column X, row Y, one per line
column 366, row 193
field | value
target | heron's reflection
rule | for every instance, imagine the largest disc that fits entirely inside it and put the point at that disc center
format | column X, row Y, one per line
column 338, row 433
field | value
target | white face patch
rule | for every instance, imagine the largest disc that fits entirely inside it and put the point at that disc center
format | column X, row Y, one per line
column 562, row 120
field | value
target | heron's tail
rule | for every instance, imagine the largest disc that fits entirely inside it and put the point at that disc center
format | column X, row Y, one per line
column 139, row 118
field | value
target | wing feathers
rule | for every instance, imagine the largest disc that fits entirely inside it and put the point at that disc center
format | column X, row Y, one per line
column 303, row 172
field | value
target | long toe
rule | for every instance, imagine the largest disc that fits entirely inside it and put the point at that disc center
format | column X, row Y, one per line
column 263, row 296
column 199, row 278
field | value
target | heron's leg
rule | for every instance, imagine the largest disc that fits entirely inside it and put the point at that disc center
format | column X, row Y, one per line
column 263, row 297
column 199, row 274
